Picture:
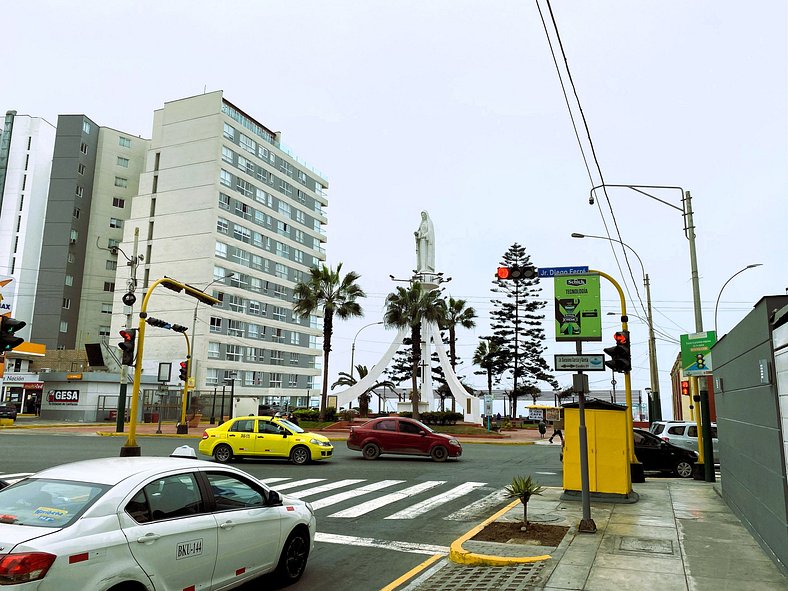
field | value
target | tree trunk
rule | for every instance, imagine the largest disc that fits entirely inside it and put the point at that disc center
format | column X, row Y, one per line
column 328, row 329
column 415, row 397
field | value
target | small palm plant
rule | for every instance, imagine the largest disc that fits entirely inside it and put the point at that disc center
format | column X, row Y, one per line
column 523, row 487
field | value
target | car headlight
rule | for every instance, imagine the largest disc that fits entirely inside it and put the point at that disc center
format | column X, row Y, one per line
column 320, row 443
column 454, row 442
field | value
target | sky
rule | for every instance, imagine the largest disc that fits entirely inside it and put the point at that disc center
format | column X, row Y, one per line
column 455, row 107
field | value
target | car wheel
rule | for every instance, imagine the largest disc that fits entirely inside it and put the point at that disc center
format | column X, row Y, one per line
column 222, row 453
column 370, row 451
column 292, row 562
column 300, row 455
column 683, row 469
column 439, row 453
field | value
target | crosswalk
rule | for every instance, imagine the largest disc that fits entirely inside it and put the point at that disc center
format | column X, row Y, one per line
column 388, row 499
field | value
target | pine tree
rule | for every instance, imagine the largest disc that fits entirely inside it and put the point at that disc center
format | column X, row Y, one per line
column 517, row 325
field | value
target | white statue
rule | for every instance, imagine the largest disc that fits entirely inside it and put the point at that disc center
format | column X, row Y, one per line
column 425, row 245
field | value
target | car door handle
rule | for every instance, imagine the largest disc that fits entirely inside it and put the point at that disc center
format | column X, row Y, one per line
column 147, row 538
column 227, row 525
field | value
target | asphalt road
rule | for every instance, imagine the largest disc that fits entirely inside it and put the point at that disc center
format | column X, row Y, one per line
column 367, row 539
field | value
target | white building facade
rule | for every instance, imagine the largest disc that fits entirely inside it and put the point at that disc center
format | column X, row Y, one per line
column 224, row 207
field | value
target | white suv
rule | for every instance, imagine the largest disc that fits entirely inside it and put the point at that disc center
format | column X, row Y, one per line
column 684, row 434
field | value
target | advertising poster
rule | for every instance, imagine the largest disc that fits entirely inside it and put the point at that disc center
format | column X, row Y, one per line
column 578, row 314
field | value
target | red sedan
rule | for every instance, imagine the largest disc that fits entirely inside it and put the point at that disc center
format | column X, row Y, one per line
column 399, row 435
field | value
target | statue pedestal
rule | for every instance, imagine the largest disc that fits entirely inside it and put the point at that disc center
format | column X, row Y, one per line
column 407, row 406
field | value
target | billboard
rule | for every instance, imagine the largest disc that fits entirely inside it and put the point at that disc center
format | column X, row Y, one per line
column 578, row 314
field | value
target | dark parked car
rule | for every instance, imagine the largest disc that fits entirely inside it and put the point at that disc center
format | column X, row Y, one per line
column 662, row 456
column 399, row 435
column 7, row 410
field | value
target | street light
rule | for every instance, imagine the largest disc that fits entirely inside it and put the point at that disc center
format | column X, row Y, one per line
column 655, row 404
column 725, row 284
column 194, row 324
column 353, row 347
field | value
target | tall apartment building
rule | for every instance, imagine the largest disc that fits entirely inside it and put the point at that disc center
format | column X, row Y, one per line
column 224, row 207
column 95, row 174
column 26, row 147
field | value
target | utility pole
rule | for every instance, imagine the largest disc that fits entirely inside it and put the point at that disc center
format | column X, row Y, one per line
column 655, row 408
column 128, row 301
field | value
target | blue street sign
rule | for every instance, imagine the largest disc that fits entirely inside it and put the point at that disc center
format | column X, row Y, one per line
column 557, row 271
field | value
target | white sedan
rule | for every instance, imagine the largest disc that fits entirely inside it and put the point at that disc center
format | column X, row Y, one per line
column 134, row 523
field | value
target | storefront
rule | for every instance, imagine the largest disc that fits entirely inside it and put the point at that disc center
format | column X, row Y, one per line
column 24, row 390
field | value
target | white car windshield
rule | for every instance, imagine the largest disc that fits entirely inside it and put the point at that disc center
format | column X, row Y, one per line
column 47, row 503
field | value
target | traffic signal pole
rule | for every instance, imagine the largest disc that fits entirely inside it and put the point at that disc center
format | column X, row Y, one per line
column 183, row 426
column 636, row 468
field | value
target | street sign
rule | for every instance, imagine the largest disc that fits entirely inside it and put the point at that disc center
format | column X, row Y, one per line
column 591, row 362
column 557, row 271
column 696, row 353
column 578, row 315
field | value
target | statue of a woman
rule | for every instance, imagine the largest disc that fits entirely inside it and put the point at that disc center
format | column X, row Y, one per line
column 425, row 245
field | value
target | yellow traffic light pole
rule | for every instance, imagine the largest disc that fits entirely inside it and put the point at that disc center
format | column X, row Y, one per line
column 183, row 427
column 130, row 448
column 627, row 379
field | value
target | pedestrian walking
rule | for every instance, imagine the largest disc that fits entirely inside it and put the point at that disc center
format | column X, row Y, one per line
column 542, row 429
column 557, row 433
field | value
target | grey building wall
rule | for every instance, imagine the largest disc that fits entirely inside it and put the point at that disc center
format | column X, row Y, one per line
column 752, row 454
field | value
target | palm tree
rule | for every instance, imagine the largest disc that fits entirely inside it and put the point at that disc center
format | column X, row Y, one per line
column 523, row 488
column 490, row 357
column 408, row 308
column 326, row 289
column 457, row 314
column 345, row 379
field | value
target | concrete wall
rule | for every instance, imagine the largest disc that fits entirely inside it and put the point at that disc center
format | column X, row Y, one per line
column 752, row 454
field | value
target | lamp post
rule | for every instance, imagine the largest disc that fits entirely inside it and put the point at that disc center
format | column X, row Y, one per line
column 724, row 285
column 655, row 404
column 353, row 347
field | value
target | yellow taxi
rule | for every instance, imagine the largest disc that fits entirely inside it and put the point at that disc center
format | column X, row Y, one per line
column 264, row 437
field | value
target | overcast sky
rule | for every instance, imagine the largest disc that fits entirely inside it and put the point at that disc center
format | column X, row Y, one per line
column 455, row 107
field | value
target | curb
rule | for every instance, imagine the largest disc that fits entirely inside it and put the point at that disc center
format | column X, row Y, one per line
column 460, row 555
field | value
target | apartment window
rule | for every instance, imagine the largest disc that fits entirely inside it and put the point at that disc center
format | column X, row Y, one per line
column 216, row 324
column 225, row 178
column 124, row 142
column 300, row 217
column 254, row 308
column 70, row 257
column 262, row 175
column 277, row 335
column 301, row 196
column 118, row 202
column 115, row 223
column 262, row 152
column 63, row 326
column 253, row 331
column 282, row 228
column 81, row 168
column 235, row 303
column 74, row 236
column 224, row 201
column 254, row 354
column 222, row 226
column 278, row 313
column 79, row 191
column 121, row 182
column 83, row 147
column 233, row 352
column 211, row 377
column 281, row 271
column 282, row 250
column 299, row 236
column 235, row 328
column 109, row 286
column 213, row 350
column 123, row 162
column 85, row 127
column 276, row 380
column 256, row 263
column 284, row 209
column 66, row 303
column 302, row 176
column 221, row 250
column 243, row 234
column 246, row 189
column 248, row 144
column 292, row 380
column 229, row 132
column 295, row 338
column 110, row 265
column 106, row 308
column 75, row 213
column 277, row 358
column 227, row 154
column 298, row 256
column 295, row 358
column 243, row 210
column 103, row 331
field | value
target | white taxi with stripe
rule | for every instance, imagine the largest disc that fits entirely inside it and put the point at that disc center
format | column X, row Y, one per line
column 148, row 523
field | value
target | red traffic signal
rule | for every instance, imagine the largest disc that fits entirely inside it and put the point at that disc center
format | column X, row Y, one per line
column 620, row 356
column 685, row 389
column 129, row 337
column 503, row 273
column 515, row 272
column 183, row 374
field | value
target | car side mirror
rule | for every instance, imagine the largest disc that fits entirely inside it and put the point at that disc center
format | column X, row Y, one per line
column 423, row 433
column 274, row 498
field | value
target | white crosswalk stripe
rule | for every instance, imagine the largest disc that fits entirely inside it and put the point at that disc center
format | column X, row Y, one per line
column 351, row 494
column 479, row 509
column 316, row 490
column 436, row 501
column 363, row 508
column 296, row 483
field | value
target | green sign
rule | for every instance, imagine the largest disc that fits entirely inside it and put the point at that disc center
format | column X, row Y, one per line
column 696, row 353
column 578, row 314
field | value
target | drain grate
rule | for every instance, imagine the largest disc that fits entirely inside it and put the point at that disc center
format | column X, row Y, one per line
column 458, row 577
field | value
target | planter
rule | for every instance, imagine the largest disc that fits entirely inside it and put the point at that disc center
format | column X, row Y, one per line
column 195, row 420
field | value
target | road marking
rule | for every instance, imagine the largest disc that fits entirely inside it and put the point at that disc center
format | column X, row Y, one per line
column 297, row 483
column 479, row 509
column 344, row 496
column 547, row 473
column 323, row 488
column 436, row 501
column 364, row 508
column 409, row 547
column 272, row 480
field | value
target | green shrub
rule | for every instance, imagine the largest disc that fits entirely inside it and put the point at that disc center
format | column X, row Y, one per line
column 307, row 414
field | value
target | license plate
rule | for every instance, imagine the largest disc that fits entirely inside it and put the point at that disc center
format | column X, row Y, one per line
column 188, row 549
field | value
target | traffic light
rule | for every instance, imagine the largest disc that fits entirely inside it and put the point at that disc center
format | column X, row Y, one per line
column 129, row 336
column 183, row 373
column 515, row 272
column 7, row 339
column 685, row 391
column 620, row 355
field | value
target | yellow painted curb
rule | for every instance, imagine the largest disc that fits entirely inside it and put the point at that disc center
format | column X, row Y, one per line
column 460, row 555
